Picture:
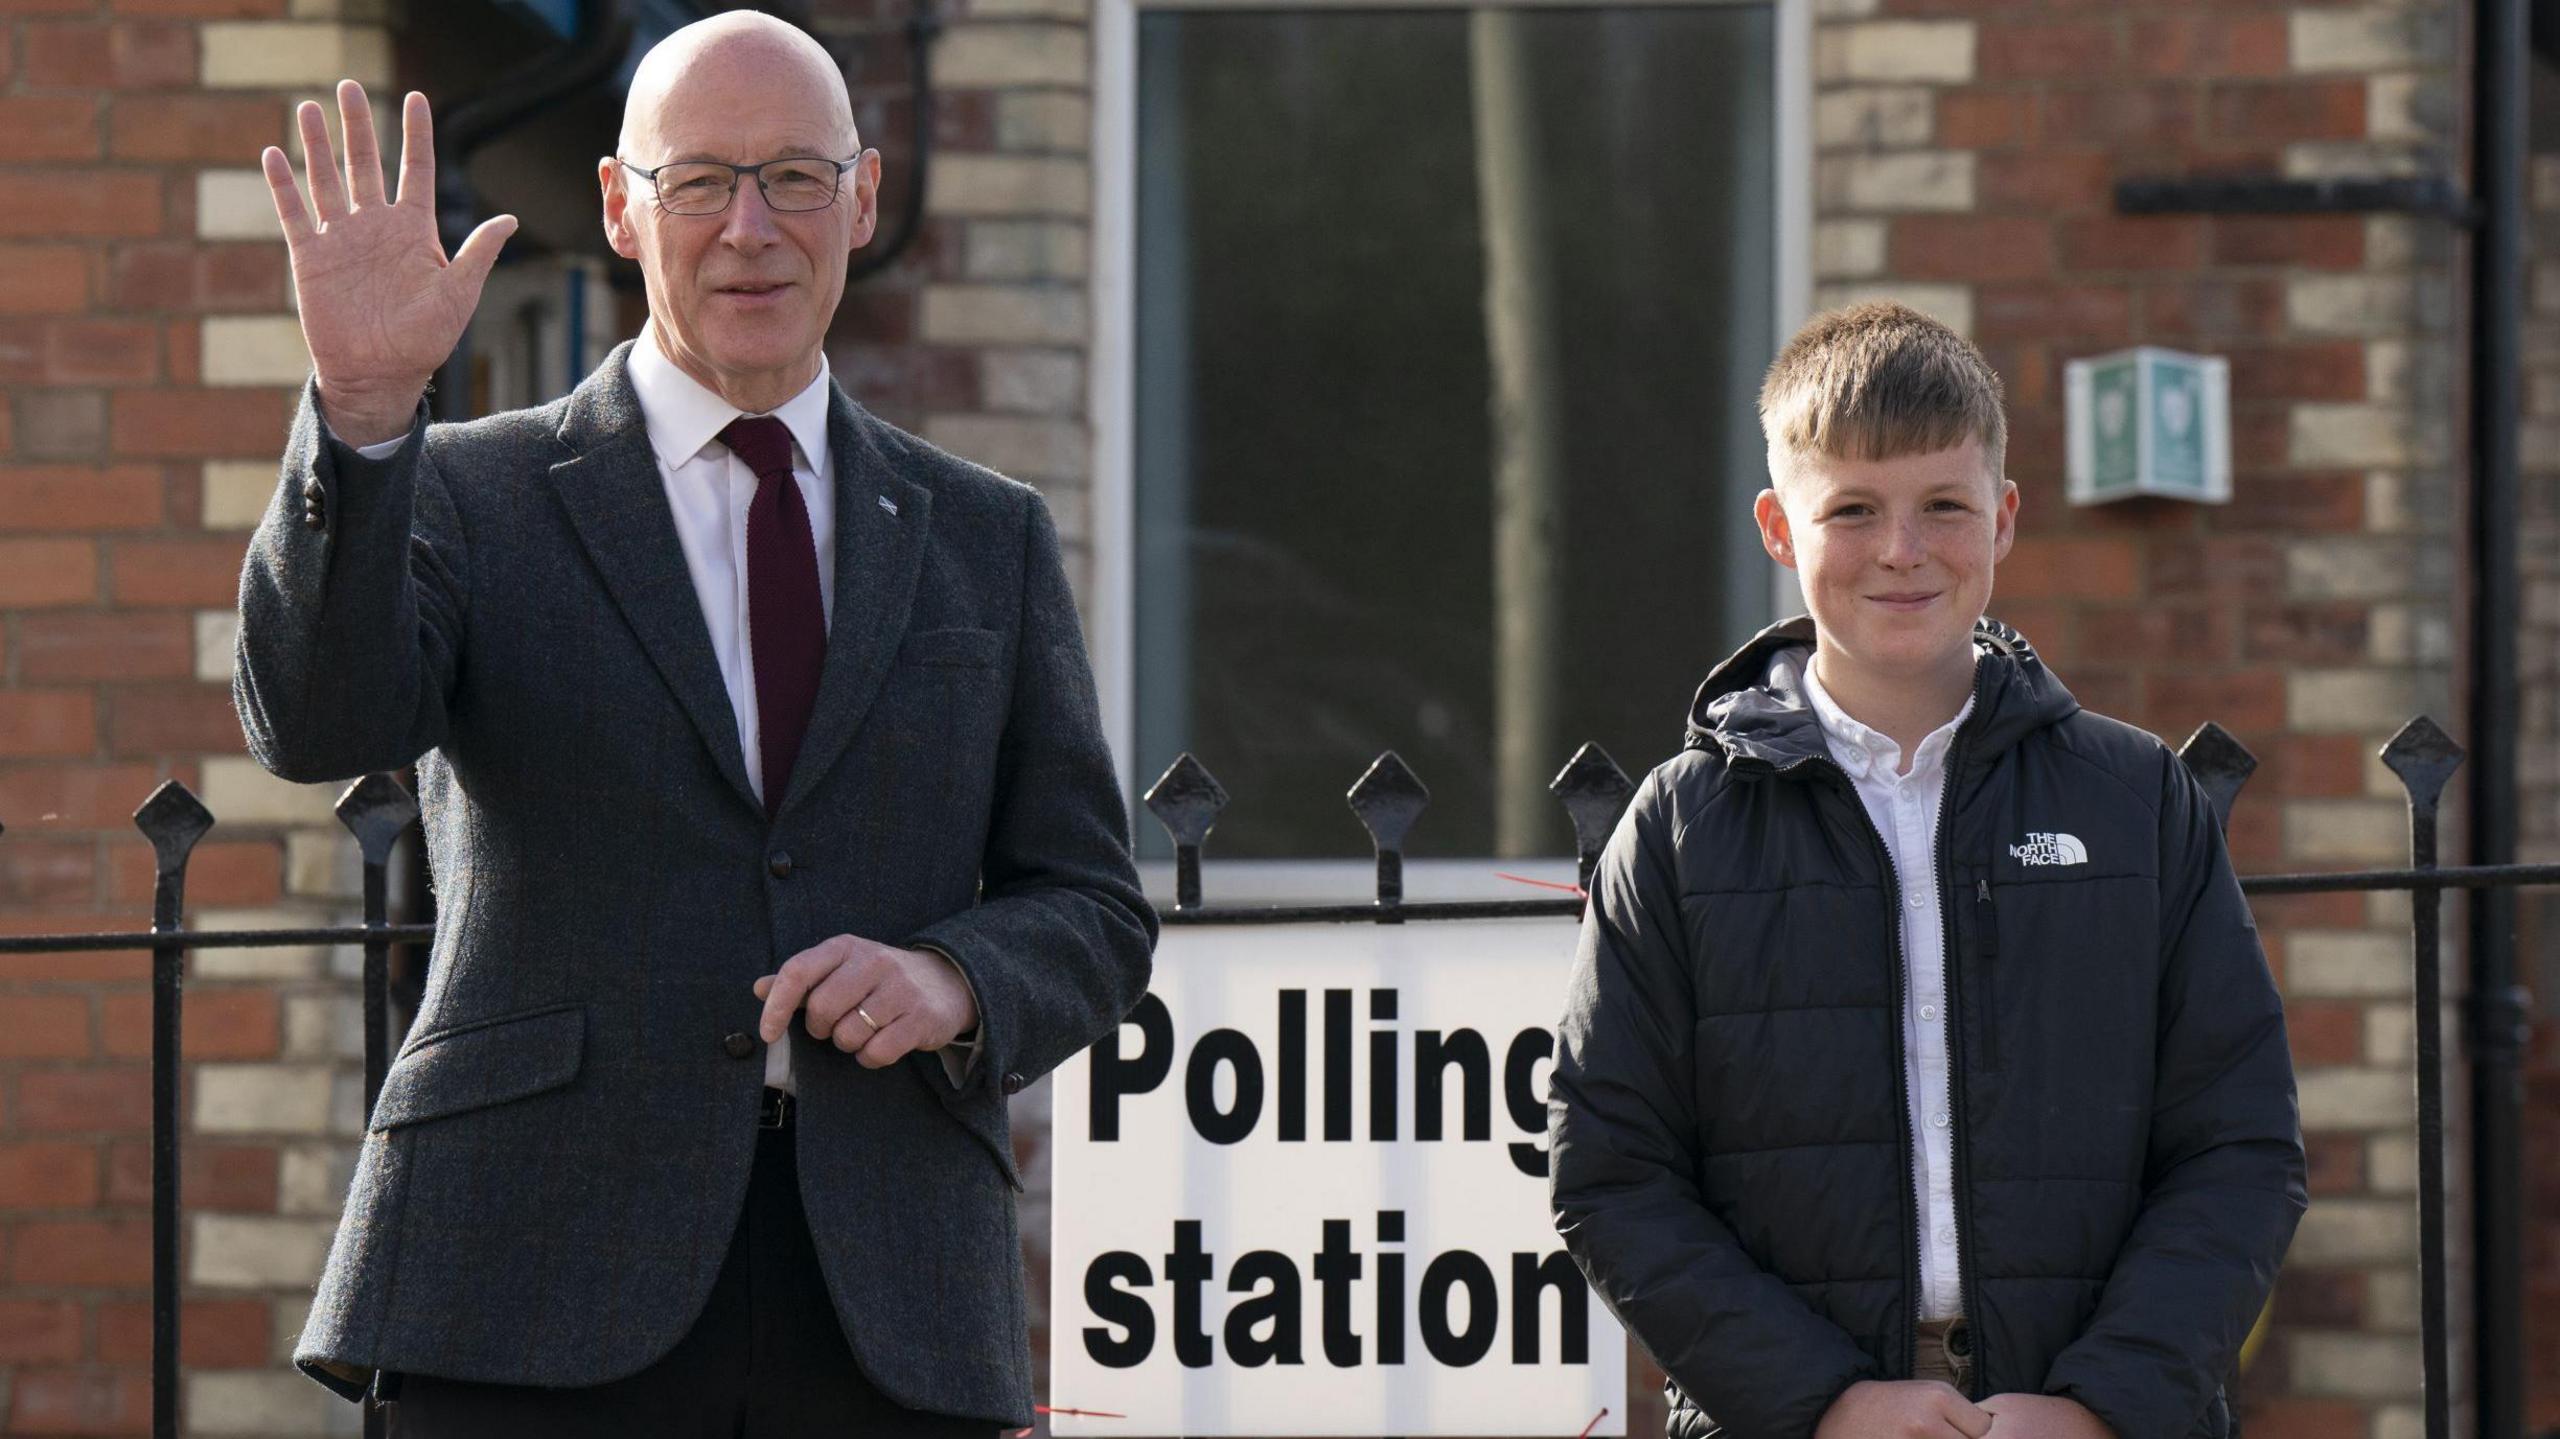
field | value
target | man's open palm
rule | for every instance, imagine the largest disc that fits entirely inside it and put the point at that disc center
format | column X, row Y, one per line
column 381, row 305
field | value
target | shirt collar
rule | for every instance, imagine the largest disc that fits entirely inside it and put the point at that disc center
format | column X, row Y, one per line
column 1861, row 749
column 683, row 415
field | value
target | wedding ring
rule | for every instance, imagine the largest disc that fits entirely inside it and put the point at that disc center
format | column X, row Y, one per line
column 867, row 1019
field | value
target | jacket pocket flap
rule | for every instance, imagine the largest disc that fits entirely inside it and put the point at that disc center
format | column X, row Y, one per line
column 951, row 647
column 485, row 1062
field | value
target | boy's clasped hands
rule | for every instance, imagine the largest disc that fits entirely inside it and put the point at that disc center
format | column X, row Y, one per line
column 1928, row 1409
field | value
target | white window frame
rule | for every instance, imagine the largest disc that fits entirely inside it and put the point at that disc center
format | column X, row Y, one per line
column 1111, row 398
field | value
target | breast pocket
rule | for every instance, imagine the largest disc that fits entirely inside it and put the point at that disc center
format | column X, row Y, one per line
column 966, row 648
column 932, row 735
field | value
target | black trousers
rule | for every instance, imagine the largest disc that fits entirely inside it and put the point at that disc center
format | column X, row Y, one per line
column 766, row 1359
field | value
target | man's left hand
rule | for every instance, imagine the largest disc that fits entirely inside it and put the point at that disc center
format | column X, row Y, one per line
column 874, row 1002
column 2043, row 1416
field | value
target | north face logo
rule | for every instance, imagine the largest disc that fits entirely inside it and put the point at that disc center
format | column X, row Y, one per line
column 2050, row 849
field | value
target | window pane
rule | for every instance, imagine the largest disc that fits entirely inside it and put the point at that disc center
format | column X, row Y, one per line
column 1323, row 201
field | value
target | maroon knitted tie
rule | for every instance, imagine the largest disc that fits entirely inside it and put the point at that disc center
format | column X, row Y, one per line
column 786, row 622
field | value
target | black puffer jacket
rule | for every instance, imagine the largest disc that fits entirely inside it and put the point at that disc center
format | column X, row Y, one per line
column 1730, row 1154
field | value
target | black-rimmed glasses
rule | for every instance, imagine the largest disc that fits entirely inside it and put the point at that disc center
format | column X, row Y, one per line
column 705, row 187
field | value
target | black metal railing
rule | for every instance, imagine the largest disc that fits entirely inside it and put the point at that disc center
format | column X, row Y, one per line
column 1388, row 800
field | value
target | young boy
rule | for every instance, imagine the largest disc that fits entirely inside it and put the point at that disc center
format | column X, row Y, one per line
column 1921, row 1068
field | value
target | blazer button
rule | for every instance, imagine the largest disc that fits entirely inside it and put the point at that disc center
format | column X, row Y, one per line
column 739, row 1044
column 780, row 864
column 1013, row 1081
column 313, row 491
column 312, row 518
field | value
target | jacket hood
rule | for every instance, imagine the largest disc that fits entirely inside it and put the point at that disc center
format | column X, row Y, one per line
column 1753, row 706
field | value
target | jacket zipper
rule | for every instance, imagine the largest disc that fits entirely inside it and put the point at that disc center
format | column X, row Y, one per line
column 1901, row 1066
column 1959, row 1183
column 1951, row 960
column 1916, row 1229
column 1986, row 923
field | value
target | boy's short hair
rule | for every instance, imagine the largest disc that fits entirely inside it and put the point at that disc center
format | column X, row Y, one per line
column 1877, row 381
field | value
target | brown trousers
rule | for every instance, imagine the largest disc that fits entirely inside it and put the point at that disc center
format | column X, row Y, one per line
column 1936, row 1356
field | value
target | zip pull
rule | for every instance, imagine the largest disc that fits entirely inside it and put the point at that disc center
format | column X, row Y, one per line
column 1982, row 891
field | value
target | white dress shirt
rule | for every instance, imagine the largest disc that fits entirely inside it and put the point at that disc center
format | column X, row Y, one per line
column 1905, row 810
column 708, row 490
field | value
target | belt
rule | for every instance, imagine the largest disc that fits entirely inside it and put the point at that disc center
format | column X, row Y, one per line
column 778, row 1109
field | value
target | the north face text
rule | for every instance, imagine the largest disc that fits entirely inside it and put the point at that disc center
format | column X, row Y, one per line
column 2043, row 848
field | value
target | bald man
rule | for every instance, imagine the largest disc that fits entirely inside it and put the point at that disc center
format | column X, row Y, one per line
column 775, row 839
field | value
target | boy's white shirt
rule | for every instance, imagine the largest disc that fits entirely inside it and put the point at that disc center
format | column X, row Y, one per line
column 1905, row 810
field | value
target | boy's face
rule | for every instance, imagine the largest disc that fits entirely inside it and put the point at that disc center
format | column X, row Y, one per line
column 1895, row 555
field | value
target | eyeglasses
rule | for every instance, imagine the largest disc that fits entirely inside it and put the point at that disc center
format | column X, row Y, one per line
column 705, row 187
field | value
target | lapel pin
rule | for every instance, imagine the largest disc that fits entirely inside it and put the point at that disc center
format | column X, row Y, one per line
column 888, row 504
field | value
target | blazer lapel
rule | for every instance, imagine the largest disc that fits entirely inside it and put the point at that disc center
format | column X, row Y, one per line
column 618, row 504
column 881, row 523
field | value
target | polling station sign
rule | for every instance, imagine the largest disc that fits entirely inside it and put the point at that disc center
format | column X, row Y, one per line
column 1303, row 1190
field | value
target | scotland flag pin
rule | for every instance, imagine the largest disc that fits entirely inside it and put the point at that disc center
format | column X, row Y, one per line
column 888, row 504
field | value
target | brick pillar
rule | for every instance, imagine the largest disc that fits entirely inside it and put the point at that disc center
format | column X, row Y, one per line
column 150, row 355
column 978, row 338
column 1968, row 154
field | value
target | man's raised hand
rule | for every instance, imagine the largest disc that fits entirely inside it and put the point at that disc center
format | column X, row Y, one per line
column 381, row 305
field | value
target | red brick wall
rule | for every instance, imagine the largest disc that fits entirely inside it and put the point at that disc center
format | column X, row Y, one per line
column 119, row 558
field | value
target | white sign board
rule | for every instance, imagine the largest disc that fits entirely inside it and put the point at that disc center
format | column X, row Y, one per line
column 1303, row 1191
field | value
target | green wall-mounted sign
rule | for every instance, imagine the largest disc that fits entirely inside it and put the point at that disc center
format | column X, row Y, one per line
column 2149, row 421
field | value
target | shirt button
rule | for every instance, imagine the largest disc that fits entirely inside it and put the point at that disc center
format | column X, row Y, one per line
column 1012, row 1081
column 1928, row 1011
column 1919, row 901
column 1947, row 1234
column 780, row 864
column 738, row 1044
column 1938, row 1121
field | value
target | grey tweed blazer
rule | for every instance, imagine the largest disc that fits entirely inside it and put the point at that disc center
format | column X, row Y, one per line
column 560, row 1154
